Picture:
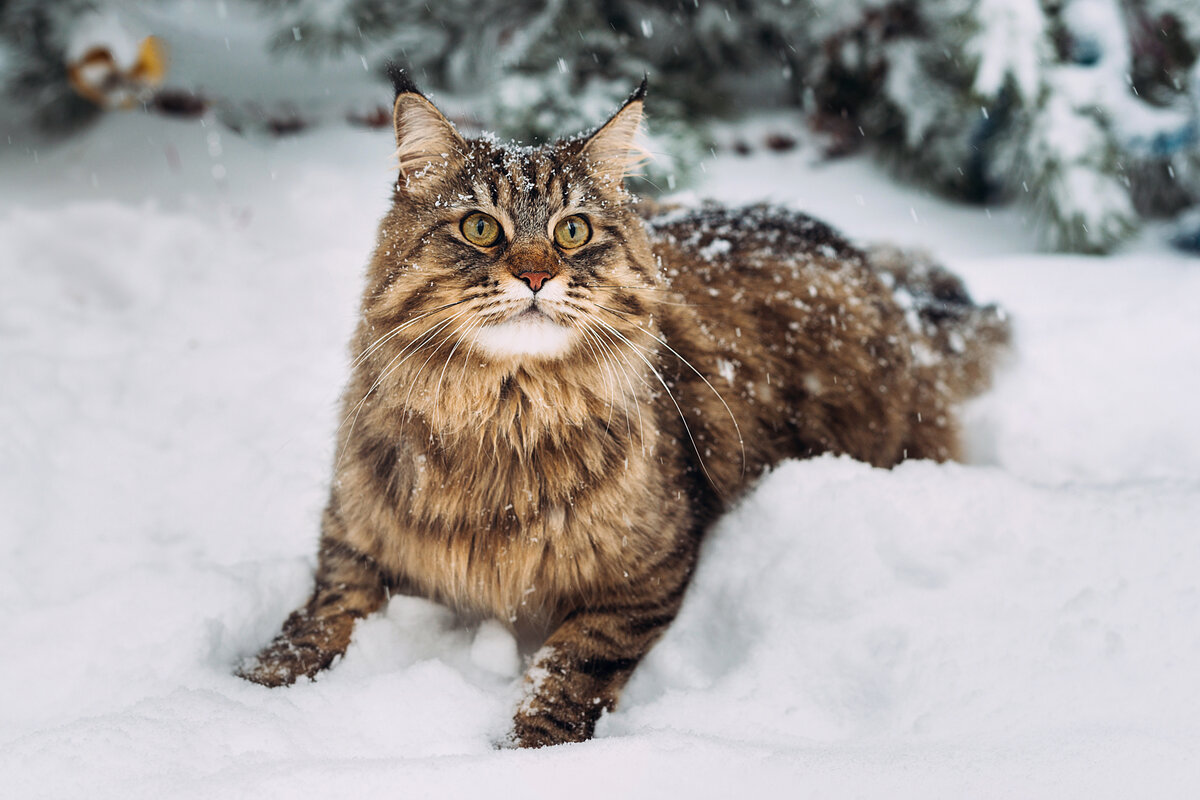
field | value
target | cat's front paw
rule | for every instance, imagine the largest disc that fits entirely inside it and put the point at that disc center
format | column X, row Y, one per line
column 283, row 662
column 306, row 646
column 545, row 727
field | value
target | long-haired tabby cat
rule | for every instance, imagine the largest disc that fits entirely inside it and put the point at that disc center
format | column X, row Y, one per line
column 555, row 392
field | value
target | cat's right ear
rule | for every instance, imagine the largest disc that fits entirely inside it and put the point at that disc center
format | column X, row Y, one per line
column 424, row 136
column 613, row 150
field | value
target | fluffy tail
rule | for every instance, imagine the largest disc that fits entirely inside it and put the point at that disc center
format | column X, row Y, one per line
column 957, row 345
column 959, row 342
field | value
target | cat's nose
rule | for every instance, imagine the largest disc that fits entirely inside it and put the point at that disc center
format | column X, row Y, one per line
column 535, row 279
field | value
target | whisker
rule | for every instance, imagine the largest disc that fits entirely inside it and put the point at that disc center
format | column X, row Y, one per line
column 637, row 351
column 657, row 188
column 737, row 429
column 396, row 330
column 619, row 286
column 611, row 360
column 412, row 383
column 608, row 376
column 636, row 374
column 463, row 332
column 622, row 314
column 637, row 403
column 388, row 370
column 470, row 350
column 428, row 336
column 648, row 289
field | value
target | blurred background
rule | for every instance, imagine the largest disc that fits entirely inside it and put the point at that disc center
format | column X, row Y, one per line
column 1085, row 112
column 189, row 193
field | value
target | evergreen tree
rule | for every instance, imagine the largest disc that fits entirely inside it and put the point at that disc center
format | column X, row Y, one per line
column 1085, row 111
column 34, row 37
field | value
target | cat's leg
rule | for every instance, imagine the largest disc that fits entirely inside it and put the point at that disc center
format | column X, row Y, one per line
column 585, row 663
column 349, row 586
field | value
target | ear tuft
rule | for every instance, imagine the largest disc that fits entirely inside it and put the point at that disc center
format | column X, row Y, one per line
column 640, row 92
column 613, row 150
column 402, row 82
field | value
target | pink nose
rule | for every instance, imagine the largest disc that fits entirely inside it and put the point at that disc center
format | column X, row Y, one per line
column 535, row 279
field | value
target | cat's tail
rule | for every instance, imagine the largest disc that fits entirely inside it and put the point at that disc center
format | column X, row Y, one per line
column 960, row 343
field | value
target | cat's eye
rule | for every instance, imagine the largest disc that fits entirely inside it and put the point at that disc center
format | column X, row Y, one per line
column 571, row 232
column 480, row 229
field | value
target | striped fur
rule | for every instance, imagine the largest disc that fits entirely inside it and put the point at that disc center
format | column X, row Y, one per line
column 565, row 490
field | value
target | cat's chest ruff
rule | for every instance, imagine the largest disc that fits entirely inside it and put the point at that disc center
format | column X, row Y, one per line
column 516, row 493
column 498, row 479
column 515, row 538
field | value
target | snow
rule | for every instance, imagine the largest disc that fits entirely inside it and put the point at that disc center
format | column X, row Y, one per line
column 1104, row 86
column 172, row 348
column 1009, row 44
column 105, row 28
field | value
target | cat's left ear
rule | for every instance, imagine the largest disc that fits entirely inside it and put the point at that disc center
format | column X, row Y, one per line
column 613, row 150
column 423, row 134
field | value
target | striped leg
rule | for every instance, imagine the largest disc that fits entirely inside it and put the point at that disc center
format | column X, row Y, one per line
column 583, row 666
column 349, row 586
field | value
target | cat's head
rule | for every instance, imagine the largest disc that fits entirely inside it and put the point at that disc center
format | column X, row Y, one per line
column 515, row 254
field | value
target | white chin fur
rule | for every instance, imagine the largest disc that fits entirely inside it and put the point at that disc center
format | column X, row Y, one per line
column 528, row 336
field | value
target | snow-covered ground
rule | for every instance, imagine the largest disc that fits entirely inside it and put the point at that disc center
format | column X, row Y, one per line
column 172, row 346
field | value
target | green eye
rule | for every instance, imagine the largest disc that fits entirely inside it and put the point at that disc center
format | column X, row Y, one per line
column 572, row 232
column 480, row 229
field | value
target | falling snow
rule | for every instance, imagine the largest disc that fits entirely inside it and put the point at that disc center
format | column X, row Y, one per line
column 173, row 349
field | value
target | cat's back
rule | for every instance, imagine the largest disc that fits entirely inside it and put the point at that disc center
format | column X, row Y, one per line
column 789, row 325
column 768, row 270
column 815, row 345
column 713, row 236
column 765, row 282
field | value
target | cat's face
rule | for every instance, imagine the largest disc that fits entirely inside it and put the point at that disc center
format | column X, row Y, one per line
column 514, row 254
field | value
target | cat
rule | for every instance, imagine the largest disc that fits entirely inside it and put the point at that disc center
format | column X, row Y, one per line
column 556, row 389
